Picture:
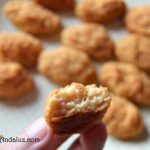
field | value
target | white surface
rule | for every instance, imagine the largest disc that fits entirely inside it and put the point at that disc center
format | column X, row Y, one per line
column 16, row 116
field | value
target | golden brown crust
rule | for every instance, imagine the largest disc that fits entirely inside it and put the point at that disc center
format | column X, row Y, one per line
column 123, row 119
column 101, row 11
column 65, row 65
column 126, row 80
column 32, row 17
column 138, row 20
column 58, row 4
column 14, row 80
column 76, row 123
column 19, row 47
column 90, row 38
column 134, row 49
column 76, row 107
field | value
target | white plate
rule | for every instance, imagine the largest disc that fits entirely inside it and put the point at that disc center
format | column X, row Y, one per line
column 15, row 117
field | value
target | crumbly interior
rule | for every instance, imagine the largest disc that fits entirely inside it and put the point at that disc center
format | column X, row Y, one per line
column 77, row 98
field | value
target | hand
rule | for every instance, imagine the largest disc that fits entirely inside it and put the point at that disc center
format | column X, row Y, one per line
column 92, row 139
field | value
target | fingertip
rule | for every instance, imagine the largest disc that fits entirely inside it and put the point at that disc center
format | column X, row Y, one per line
column 94, row 138
column 36, row 135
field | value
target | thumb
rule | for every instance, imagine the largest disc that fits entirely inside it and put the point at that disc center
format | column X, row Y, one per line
column 37, row 131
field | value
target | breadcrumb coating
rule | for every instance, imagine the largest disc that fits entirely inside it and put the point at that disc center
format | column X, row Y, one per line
column 19, row 47
column 58, row 4
column 32, row 17
column 126, row 80
column 123, row 119
column 15, row 81
column 100, row 11
column 65, row 65
column 134, row 49
column 90, row 38
column 137, row 19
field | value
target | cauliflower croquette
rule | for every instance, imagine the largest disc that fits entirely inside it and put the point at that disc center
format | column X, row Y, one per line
column 138, row 19
column 19, row 47
column 90, row 38
column 15, row 81
column 32, row 17
column 76, row 107
column 134, row 49
column 65, row 65
column 126, row 80
column 123, row 119
column 58, row 4
column 100, row 11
